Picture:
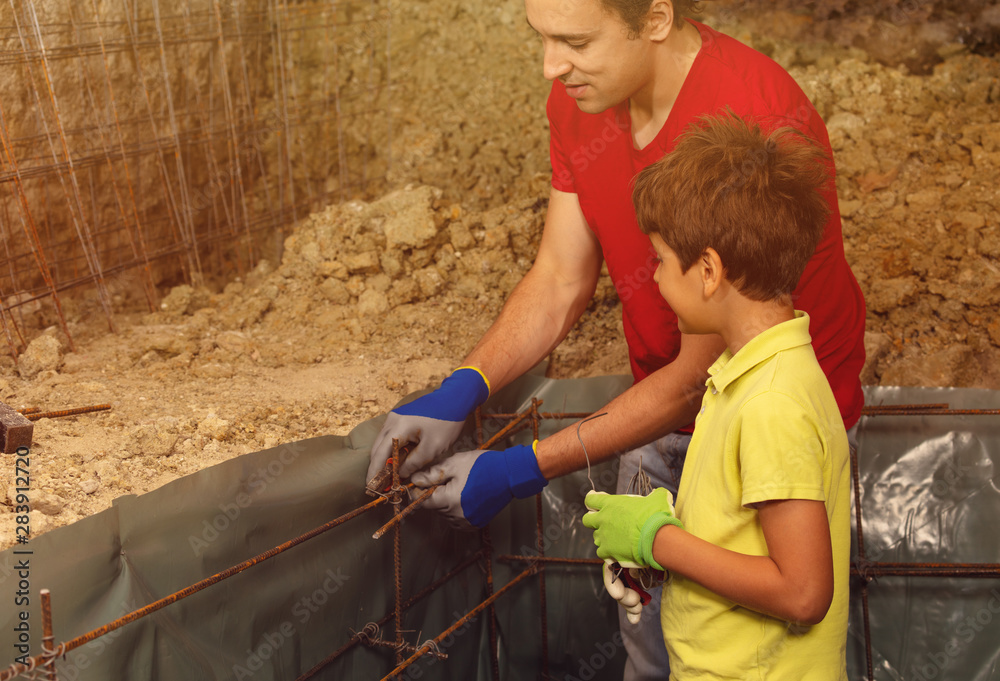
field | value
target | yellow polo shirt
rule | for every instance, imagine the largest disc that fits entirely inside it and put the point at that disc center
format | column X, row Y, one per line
column 769, row 428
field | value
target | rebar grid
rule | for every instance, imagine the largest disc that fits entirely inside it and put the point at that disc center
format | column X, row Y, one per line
column 148, row 139
column 868, row 571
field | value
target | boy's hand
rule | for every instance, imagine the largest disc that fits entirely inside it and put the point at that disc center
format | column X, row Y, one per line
column 434, row 421
column 619, row 590
column 625, row 524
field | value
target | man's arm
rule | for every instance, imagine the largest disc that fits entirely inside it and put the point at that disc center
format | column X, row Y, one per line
column 793, row 582
column 548, row 300
column 537, row 316
column 661, row 403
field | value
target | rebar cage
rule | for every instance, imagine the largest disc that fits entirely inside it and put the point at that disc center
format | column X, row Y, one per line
column 146, row 143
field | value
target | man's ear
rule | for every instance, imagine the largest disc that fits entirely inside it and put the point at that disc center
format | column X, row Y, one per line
column 712, row 272
column 660, row 20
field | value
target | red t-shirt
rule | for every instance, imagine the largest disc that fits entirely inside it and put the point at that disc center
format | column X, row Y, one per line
column 594, row 157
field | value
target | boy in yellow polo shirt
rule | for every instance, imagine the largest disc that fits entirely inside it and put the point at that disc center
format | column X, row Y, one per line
column 758, row 551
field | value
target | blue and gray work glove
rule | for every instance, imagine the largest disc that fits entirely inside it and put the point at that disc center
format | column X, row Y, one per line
column 433, row 421
column 477, row 485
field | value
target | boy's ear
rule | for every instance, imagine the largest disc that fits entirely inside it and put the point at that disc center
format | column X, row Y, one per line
column 660, row 19
column 712, row 272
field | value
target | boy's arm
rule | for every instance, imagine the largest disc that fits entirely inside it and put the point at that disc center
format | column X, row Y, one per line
column 794, row 582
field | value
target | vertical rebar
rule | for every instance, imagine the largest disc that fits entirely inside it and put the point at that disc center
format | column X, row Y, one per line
column 487, row 551
column 231, row 118
column 48, row 639
column 252, row 118
column 135, row 240
column 388, row 88
column 341, row 151
column 187, row 223
column 73, row 206
column 542, row 602
column 30, row 230
column 491, row 612
column 862, row 562
column 173, row 209
column 397, row 560
column 281, row 85
column 311, row 200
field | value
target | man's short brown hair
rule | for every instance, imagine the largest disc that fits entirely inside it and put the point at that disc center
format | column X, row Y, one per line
column 633, row 13
column 757, row 199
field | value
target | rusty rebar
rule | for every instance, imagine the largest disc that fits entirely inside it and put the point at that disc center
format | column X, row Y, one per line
column 503, row 432
column 540, row 538
column 869, row 571
column 932, row 410
column 398, row 517
column 18, row 668
column 862, row 559
column 407, row 648
column 519, row 558
column 78, row 217
column 136, row 239
column 397, row 555
column 487, row 550
column 870, row 409
column 357, row 639
column 31, row 229
column 547, row 415
column 48, row 639
column 427, row 645
column 36, row 415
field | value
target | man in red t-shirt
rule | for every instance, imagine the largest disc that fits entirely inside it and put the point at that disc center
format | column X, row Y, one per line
column 626, row 81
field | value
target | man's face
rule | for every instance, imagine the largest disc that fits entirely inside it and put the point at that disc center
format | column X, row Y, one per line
column 587, row 48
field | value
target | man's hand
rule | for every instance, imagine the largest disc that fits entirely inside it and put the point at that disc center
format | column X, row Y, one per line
column 625, row 524
column 434, row 421
column 477, row 485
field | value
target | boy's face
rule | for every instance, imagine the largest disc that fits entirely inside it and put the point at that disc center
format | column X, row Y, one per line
column 588, row 49
column 683, row 291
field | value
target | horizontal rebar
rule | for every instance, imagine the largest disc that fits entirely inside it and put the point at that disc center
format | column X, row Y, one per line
column 36, row 415
column 554, row 415
column 873, row 408
column 970, row 570
column 64, row 648
column 509, row 558
column 929, row 411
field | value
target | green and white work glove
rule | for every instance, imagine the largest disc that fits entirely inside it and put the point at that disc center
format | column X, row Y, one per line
column 625, row 524
column 618, row 588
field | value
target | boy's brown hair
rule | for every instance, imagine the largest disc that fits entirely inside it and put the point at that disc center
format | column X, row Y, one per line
column 756, row 199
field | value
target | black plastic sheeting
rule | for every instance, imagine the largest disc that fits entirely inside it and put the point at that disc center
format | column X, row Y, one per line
column 930, row 495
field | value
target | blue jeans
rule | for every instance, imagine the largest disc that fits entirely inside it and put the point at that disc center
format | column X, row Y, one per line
column 662, row 461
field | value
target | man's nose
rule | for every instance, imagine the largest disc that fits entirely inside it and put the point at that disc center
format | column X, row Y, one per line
column 555, row 64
